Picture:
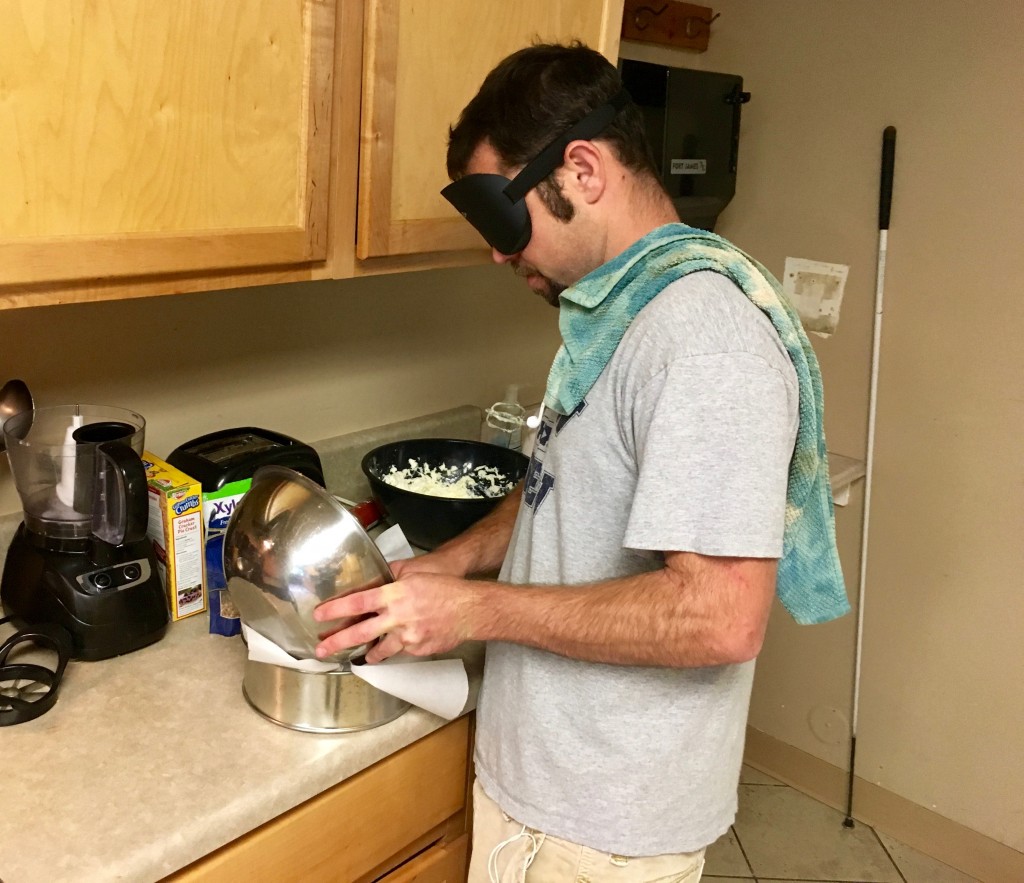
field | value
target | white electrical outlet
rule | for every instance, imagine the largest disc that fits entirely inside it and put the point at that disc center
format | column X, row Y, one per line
column 816, row 290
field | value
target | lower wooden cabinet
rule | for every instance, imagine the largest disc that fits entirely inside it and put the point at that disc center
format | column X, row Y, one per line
column 404, row 819
column 443, row 863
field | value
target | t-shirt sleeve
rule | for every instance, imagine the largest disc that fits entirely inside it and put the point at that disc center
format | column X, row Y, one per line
column 713, row 438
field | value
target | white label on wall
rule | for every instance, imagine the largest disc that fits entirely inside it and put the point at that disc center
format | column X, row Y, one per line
column 816, row 290
column 688, row 167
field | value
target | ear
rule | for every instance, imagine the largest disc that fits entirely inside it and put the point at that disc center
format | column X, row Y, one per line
column 585, row 170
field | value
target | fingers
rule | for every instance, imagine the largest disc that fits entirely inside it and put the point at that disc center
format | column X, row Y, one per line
column 432, row 562
column 361, row 606
column 356, row 604
column 361, row 633
column 389, row 645
column 396, row 612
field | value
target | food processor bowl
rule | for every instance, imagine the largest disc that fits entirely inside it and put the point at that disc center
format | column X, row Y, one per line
column 54, row 473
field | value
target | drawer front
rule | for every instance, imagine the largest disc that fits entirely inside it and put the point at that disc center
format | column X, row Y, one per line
column 358, row 824
column 444, row 863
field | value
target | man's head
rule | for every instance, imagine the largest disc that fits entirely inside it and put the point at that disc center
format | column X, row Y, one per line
column 569, row 95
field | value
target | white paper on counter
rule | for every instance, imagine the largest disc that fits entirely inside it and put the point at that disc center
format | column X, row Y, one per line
column 441, row 686
column 262, row 649
column 393, row 545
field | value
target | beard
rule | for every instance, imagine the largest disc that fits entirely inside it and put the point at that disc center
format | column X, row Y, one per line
column 539, row 284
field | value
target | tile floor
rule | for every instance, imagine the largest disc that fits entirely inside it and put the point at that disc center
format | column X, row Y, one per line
column 782, row 834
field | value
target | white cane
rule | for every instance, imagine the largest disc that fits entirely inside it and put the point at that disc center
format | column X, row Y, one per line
column 884, row 205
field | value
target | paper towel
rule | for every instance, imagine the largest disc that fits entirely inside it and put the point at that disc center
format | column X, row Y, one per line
column 393, row 545
column 441, row 686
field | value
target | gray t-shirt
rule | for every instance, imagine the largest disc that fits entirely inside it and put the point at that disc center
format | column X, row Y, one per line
column 682, row 444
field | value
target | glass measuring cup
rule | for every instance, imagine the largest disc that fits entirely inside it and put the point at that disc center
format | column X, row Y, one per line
column 503, row 425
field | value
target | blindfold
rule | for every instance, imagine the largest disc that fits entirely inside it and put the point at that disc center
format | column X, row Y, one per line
column 495, row 205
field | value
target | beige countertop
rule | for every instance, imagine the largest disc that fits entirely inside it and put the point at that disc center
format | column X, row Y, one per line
column 153, row 759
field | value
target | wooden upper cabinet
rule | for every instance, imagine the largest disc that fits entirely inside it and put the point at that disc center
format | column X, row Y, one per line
column 155, row 137
column 423, row 62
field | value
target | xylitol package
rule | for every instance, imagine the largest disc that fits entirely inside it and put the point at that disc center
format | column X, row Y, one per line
column 224, row 619
column 219, row 504
column 217, row 508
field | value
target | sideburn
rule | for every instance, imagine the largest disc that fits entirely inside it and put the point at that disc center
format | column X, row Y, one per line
column 550, row 193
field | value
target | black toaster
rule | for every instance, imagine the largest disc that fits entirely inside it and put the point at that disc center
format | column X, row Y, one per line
column 228, row 455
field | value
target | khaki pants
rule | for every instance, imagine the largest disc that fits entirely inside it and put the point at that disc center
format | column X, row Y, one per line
column 504, row 851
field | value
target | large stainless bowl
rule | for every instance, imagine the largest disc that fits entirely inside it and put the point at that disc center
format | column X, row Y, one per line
column 290, row 546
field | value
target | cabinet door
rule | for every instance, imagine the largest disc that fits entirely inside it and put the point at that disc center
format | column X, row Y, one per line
column 146, row 136
column 423, row 63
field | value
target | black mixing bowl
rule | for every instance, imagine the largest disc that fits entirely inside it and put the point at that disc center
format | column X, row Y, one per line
column 426, row 520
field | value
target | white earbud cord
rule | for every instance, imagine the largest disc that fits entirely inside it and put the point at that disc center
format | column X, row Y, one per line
column 535, row 845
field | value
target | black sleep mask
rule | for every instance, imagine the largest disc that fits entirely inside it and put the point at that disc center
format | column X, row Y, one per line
column 495, row 205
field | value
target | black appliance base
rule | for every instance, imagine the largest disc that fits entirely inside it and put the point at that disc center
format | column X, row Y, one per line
column 110, row 606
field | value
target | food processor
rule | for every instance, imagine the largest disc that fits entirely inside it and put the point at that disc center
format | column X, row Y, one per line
column 81, row 558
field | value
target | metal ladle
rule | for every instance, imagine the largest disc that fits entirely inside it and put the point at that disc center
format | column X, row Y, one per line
column 14, row 398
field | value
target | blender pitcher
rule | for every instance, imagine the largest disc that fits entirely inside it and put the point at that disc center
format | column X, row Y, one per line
column 82, row 558
column 71, row 486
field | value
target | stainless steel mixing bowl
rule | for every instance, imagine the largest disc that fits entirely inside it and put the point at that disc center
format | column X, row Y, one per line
column 290, row 546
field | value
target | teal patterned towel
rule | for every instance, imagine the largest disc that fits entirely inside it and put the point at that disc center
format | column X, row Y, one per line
column 595, row 314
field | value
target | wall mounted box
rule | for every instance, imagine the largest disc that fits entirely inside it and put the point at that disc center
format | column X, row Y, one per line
column 693, row 123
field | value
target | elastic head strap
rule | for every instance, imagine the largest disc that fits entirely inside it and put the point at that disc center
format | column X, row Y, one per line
column 550, row 158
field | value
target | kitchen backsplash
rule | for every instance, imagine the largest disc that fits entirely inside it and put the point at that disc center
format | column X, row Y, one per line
column 340, row 456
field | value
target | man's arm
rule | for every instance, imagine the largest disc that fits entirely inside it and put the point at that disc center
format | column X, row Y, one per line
column 479, row 549
column 696, row 611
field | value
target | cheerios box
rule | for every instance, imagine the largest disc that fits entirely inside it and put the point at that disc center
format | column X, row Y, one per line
column 176, row 529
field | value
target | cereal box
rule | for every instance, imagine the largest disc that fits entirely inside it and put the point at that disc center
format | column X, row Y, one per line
column 176, row 529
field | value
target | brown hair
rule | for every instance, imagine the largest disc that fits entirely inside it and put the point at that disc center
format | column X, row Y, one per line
column 536, row 94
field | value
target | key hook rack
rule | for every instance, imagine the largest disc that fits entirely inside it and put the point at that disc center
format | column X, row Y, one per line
column 671, row 23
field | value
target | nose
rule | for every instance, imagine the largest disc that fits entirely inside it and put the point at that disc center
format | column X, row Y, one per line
column 500, row 258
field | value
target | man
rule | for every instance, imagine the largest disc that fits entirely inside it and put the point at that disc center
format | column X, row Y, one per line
column 639, row 564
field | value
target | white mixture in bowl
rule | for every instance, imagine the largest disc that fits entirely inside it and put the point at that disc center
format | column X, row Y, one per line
column 464, row 483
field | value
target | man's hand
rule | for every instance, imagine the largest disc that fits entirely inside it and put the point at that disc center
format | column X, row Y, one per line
column 422, row 612
column 432, row 562
column 428, row 607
